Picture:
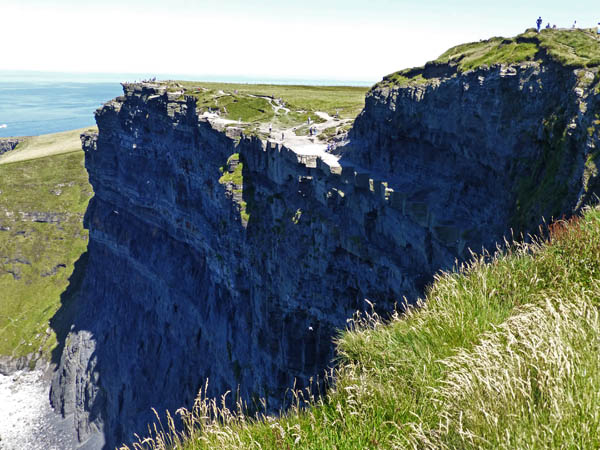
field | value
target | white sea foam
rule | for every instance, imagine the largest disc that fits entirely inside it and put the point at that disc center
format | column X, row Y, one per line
column 26, row 419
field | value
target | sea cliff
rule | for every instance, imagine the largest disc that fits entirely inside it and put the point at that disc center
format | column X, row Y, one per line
column 237, row 260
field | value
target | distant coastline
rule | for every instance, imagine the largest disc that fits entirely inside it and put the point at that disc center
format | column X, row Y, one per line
column 35, row 103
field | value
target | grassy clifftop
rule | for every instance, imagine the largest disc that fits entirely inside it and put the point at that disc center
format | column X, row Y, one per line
column 284, row 107
column 575, row 48
column 503, row 354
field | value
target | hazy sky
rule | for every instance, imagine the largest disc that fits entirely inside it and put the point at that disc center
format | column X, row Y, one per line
column 321, row 39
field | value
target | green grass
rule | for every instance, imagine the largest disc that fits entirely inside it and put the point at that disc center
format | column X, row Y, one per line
column 329, row 133
column 572, row 48
column 36, row 259
column 235, row 181
column 236, row 178
column 498, row 52
column 238, row 107
column 579, row 48
column 504, row 353
column 302, row 101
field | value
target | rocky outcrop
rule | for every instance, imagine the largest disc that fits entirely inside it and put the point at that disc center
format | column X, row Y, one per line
column 8, row 144
column 10, row 365
column 201, row 267
column 489, row 150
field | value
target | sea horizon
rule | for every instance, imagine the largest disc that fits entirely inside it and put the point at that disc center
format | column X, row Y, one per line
column 116, row 77
column 35, row 102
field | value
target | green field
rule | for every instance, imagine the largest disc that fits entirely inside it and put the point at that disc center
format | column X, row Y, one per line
column 503, row 354
column 259, row 103
column 42, row 202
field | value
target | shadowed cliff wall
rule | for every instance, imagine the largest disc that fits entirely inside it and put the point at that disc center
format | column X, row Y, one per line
column 244, row 281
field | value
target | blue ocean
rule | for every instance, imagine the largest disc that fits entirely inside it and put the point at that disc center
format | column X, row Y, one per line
column 36, row 104
column 33, row 103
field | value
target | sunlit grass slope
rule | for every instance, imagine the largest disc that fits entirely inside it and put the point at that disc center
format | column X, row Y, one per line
column 259, row 103
column 505, row 353
column 33, row 147
column 574, row 48
column 42, row 202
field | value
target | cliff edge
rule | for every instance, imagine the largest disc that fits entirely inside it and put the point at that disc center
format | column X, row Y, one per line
column 237, row 260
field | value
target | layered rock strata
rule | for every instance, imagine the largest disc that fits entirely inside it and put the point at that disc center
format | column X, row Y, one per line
column 488, row 150
column 202, row 267
column 192, row 277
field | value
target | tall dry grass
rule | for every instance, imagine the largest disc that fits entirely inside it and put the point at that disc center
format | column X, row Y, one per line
column 534, row 382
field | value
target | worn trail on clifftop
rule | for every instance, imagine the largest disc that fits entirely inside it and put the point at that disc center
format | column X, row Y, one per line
column 300, row 144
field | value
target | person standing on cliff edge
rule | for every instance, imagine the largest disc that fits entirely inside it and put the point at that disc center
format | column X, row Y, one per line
column 539, row 23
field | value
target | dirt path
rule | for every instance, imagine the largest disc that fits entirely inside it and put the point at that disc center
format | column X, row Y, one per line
column 307, row 145
column 274, row 104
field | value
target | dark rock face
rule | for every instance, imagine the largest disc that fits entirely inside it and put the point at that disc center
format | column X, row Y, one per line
column 191, row 276
column 8, row 144
column 181, row 287
column 488, row 150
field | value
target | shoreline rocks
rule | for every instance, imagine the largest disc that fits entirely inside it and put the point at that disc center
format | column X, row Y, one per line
column 8, row 144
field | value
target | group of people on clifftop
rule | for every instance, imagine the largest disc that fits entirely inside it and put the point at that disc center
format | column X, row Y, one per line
column 539, row 22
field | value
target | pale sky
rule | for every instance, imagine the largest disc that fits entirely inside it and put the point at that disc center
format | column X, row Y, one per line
column 310, row 39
